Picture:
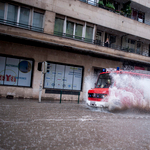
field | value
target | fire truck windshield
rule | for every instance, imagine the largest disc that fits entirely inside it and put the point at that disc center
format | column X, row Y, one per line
column 104, row 81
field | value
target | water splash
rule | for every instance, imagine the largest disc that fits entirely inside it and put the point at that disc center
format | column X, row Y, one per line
column 129, row 92
column 89, row 83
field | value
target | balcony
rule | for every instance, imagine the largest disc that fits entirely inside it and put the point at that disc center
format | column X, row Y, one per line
column 128, row 46
column 115, row 7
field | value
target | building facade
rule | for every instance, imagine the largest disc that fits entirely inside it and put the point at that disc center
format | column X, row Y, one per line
column 78, row 38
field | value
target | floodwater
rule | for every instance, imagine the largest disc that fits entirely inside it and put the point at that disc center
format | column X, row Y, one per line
column 27, row 124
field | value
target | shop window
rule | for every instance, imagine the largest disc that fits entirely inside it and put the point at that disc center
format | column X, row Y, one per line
column 2, row 8
column 24, row 16
column 12, row 13
column 78, row 31
column 16, row 71
column 58, row 29
column 63, row 76
column 89, row 34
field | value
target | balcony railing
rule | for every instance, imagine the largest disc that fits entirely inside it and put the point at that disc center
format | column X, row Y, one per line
column 20, row 25
column 144, row 52
column 92, row 2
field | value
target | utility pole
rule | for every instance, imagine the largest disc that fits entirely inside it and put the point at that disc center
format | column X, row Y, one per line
column 44, row 70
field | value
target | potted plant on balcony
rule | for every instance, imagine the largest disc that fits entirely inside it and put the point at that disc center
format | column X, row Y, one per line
column 122, row 13
column 127, row 9
column 117, row 11
column 101, row 4
column 110, row 6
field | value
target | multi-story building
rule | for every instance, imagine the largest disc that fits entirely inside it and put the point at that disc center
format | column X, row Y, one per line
column 71, row 35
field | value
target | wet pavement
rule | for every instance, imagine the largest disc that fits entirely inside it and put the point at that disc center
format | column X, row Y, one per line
column 27, row 124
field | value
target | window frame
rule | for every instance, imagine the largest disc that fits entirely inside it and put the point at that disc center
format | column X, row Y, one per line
column 72, row 65
column 25, row 58
column 35, row 11
column 17, row 23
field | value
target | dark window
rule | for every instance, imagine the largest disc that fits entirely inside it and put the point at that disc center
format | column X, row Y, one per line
column 137, row 15
column 58, row 29
column 112, row 39
column 149, row 50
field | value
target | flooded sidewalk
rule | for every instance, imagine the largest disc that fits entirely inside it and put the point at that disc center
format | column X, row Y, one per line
column 27, row 124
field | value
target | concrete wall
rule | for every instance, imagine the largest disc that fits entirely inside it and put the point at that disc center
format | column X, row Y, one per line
column 49, row 22
column 41, row 54
column 145, row 3
column 89, row 13
column 147, row 18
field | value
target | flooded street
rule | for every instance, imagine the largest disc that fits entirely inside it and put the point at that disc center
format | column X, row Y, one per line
column 27, row 124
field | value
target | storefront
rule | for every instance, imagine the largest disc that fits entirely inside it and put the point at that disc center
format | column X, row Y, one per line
column 70, row 71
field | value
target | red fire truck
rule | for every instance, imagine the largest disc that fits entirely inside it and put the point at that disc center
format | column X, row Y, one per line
column 98, row 97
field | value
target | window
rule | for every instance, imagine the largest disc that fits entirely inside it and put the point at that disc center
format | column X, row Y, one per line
column 78, row 31
column 72, row 28
column 21, row 16
column 16, row 71
column 38, row 20
column 92, row 2
column 104, row 81
column 83, row 1
column 58, row 29
column 128, row 45
column 24, row 16
column 149, row 51
column 2, row 8
column 12, row 13
column 62, row 76
column 131, row 45
column 112, row 39
column 139, row 48
column 69, row 29
column 137, row 15
column 141, row 17
column 98, row 38
column 89, row 34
